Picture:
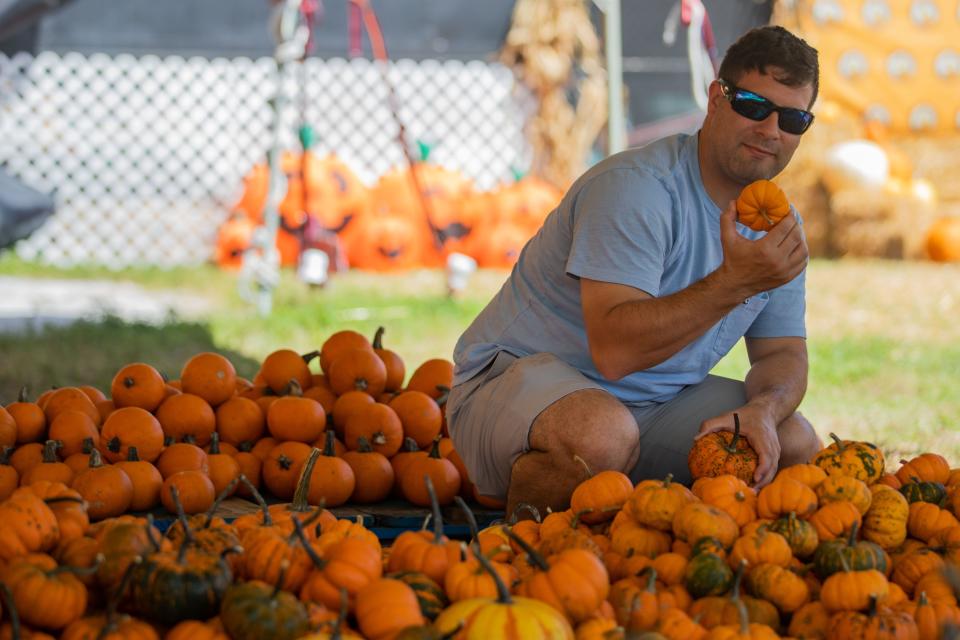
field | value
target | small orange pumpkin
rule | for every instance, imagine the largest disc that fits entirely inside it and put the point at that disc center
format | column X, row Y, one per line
column 761, row 205
column 723, row 452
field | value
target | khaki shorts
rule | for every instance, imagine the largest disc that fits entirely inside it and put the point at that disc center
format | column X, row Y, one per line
column 490, row 415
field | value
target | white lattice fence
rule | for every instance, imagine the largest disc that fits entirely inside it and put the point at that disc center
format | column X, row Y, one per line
column 146, row 155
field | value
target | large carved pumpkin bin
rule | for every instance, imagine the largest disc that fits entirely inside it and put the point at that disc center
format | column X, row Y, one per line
column 385, row 241
column 233, row 238
column 507, row 217
column 498, row 246
column 334, row 197
column 437, row 209
column 526, row 202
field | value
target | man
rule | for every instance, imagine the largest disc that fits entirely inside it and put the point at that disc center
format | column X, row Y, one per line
column 600, row 342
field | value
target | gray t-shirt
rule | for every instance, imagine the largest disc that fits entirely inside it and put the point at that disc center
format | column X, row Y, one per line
column 641, row 218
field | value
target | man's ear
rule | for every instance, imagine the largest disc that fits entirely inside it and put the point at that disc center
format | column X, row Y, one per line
column 714, row 96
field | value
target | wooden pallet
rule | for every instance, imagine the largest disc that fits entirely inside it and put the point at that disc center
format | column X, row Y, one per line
column 386, row 519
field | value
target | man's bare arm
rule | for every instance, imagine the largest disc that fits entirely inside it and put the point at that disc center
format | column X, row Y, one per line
column 628, row 330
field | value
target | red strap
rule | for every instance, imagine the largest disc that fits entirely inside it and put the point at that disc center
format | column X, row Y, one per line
column 355, row 30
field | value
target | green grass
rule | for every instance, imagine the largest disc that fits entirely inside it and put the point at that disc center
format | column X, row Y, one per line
column 883, row 338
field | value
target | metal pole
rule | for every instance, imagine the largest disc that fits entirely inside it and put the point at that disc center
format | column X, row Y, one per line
column 260, row 272
column 613, row 44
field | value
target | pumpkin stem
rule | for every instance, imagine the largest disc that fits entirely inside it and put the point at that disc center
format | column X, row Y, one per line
column 732, row 447
column 852, row 540
column 409, row 445
column 113, row 600
column 844, row 563
column 524, row 506
column 744, row 619
column 50, row 449
column 583, row 463
column 363, row 445
column 444, row 394
column 503, row 594
column 922, row 600
column 150, row 537
column 267, row 519
column 534, row 556
column 329, row 443
column 471, row 520
column 319, row 511
column 378, row 338
column 435, row 511
column 669, row 479
column 214, row 443
column 227, row 490
column 872, row 607
column 114, row 444
column 281, row 576
column 299, row 503
column 182, row 517
column 651, row 579
column 575, row 522
column 434, row 449
column 292, row 388
column 838, row 441
column 95, row 459
column 5, row 454
column 132, row 454
column 341, row 615
column 22, row 396
column 11, row 608
column 737, row 578
column 315, row 558
column 78, row 571
column 310, row 355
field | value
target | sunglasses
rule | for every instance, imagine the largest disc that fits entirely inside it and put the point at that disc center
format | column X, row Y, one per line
column 755, row 107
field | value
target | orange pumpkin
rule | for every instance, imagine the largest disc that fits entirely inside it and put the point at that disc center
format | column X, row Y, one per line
column 761, row 205
column 137, row 385
column 943, row 239
column 723, row 452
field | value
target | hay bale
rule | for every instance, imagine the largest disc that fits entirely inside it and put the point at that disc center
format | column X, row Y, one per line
column 889, row 222
column 879, row 223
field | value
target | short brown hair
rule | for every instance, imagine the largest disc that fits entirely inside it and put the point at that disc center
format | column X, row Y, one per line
column 773, row 46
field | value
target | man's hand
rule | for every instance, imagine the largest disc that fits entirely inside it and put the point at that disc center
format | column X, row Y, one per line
column 760, row 430
column 764, row 264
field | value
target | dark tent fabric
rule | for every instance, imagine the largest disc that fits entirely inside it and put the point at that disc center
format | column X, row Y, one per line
column 17, row 15
column 22, row 209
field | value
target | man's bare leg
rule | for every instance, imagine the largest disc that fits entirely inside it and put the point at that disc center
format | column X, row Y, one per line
column 591, row 424
column 799, row 442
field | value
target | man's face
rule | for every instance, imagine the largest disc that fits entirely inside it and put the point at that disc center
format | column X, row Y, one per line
column 746, row 150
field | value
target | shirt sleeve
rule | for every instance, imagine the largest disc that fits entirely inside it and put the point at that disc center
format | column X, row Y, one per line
column 784, row 316
column 785, row 311
column 622, row 230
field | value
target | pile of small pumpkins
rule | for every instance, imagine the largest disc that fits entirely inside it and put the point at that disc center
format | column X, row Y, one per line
column 360, row 428
column 841, row 547
column 390, row 226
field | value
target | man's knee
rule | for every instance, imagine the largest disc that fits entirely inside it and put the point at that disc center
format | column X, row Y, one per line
column 799, row 441
column 592, row 424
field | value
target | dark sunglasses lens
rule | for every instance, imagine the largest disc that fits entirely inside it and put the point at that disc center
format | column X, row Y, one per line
column 795, row 121
column 752, row 108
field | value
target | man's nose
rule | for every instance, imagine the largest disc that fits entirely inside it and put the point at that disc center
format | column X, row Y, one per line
column 770, row 126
